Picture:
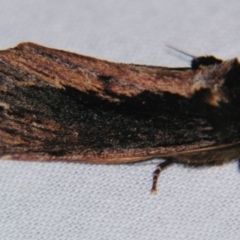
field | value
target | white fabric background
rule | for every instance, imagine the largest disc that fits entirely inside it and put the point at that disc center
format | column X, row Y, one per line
column 79, row 201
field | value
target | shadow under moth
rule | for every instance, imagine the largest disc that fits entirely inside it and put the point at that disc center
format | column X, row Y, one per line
column 61, row 106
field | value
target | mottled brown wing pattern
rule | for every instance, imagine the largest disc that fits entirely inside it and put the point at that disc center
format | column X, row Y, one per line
column 56, row 105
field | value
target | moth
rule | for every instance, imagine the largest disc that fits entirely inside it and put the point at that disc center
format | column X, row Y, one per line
column 56, row 105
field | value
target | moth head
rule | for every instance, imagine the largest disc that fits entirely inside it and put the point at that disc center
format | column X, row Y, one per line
column 197, row 62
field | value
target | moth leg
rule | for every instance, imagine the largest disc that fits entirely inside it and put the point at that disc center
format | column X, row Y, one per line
column 157, row 172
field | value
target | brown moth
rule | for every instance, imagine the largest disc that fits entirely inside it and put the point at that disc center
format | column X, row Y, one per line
column 57, row 105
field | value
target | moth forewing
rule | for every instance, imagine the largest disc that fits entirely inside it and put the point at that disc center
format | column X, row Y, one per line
column 56, row 105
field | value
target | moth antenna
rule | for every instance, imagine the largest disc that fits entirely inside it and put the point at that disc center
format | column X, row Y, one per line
column 180, row 51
